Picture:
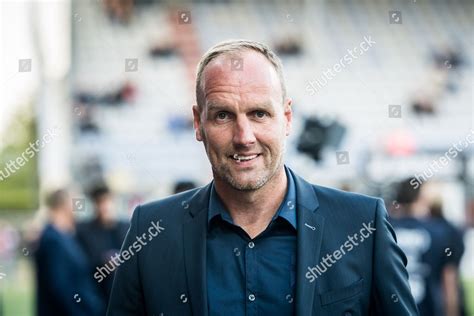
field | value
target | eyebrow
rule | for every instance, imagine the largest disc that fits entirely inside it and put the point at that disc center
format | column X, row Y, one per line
column 213, row 106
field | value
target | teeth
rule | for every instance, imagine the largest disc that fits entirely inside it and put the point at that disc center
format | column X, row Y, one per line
column 244, row 158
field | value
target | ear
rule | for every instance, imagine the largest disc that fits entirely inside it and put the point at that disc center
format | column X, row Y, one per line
column 288, row 112
column 197, row 122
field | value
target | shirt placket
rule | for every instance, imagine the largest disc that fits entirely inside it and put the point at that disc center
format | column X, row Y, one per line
column 251, row 279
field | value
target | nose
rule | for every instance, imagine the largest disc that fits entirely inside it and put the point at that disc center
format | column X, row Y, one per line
column 243, row 132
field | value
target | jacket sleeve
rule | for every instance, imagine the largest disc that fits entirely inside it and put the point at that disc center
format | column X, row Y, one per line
column 391, row 294
column 127, row 298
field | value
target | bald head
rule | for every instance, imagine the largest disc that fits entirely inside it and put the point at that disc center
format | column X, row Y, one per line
column 241, row 60
column 256, row 83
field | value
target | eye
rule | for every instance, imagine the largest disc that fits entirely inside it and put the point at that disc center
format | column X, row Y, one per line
column 260, row 114
column 222, row 115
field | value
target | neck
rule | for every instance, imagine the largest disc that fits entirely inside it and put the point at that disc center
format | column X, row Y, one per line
column 253, row 210
column 62, row 222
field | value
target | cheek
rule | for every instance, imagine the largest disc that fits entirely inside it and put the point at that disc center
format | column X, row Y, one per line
column 216, row 139
column 272, row 135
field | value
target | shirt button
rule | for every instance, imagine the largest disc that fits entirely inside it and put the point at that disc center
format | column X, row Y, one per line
column 251, row 297
column 251, row 245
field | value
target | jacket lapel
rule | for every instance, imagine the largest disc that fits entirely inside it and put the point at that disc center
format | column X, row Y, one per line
column 309, row 237
column 194, row 240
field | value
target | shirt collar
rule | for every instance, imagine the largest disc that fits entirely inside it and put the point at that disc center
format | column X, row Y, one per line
column 287, row 209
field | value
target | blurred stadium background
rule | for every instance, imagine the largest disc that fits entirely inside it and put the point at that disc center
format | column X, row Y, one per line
column 112, row 83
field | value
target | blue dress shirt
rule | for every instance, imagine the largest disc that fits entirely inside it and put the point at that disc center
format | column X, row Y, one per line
column 252, row 276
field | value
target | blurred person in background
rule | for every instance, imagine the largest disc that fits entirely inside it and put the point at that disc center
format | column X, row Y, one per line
column 429, row 247
column 64, row 286
column 101, row 236
column 119, row 10
column 182, row 186
column 9, row 241
column 456, row 248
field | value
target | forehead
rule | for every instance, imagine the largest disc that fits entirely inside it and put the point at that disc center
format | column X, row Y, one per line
column 241, row 77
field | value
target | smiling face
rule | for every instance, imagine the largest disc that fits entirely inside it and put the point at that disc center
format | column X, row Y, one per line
column 243, row 123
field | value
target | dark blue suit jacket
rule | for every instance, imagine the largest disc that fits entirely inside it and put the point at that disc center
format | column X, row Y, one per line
column 64, row 283
column 167, row 276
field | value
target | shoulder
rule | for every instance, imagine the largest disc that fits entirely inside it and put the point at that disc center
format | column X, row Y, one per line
column 348, row 208
column 49, row 234
column 339, row 205
column 336, row 196
column 50, row 240
column 172, row 208
column 340, row 208
column 438, row 227
column 122, row 225
column 86, row 231
column 350, row 202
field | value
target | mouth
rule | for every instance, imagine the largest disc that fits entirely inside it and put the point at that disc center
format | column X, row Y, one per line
column 244, row 159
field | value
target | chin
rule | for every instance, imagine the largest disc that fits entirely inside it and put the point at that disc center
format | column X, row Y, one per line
column 247, row 185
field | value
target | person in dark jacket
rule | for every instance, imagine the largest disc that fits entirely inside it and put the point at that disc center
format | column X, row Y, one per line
column 456, row 247
column 257, row 239
column 63, row 283
column 101, row 238
column 431, row 251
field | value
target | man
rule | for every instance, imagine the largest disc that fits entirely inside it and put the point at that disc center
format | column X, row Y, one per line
column 454, row 298
column 63, row 283
column 254, row 241
column 433, row 252
column 101, row 237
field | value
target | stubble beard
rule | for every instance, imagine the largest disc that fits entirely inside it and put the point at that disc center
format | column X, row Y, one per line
column 222, row 171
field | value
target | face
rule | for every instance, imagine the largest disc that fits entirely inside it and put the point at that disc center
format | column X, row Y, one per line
column 67, row 208
column 243, row 122
column 104, row 206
